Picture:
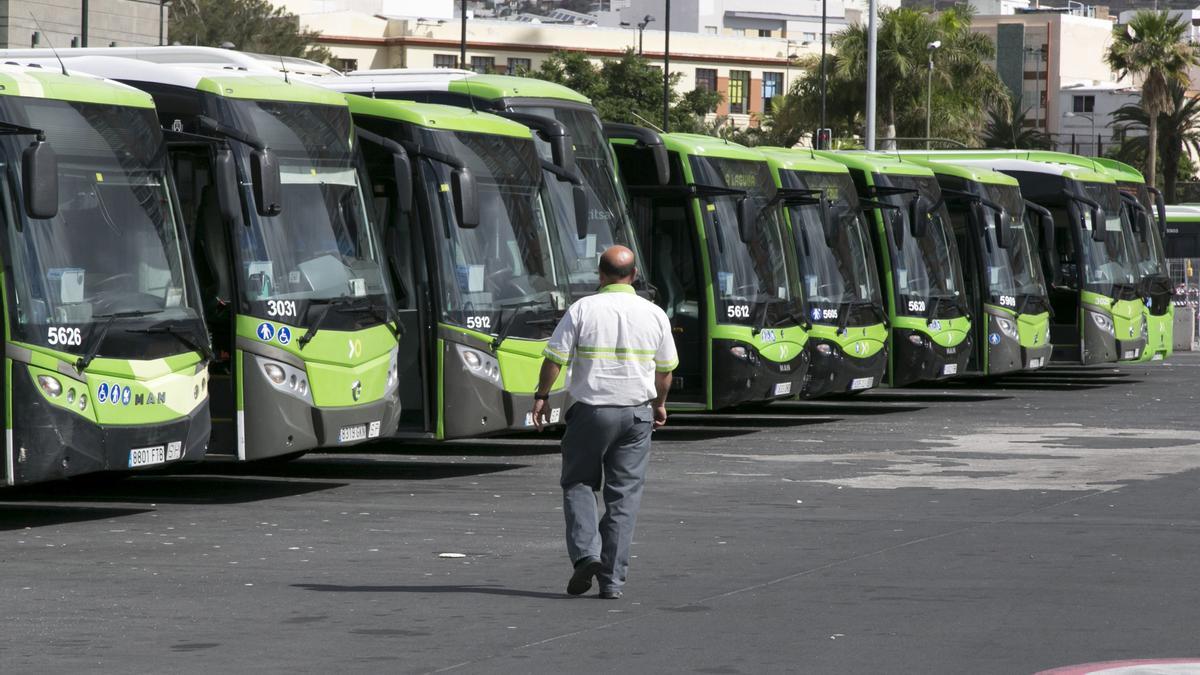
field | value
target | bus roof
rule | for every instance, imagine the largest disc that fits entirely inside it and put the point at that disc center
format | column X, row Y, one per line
column 796, row 159
column 203, row 57
column 227, row 82
column 37, row 82
column 971, row 172
column 490, row 87
column 877, row 162
column 1183, row 213
column 710, row 146
column 437, row 116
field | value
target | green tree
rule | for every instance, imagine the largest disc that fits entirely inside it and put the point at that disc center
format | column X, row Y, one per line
column 1152, row 46
column 1008, row 127
column 1178, row 130
column 845, row 99
column 251, row 25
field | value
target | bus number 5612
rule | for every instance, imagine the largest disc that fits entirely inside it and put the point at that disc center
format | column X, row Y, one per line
column 738, row 311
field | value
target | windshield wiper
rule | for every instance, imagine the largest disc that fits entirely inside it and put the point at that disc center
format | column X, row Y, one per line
column 518, row 309
column 761, row 321
column 850, row 306
column 96, row 337
column 186, row 339
column 328, row 305
column 933, row 308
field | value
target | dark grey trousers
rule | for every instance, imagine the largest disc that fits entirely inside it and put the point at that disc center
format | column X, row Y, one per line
column 606, row 444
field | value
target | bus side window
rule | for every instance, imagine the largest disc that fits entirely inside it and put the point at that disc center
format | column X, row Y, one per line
column 206, row 231
column 1064, row 245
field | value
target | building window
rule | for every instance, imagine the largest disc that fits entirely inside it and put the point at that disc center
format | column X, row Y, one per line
column 764, row 32
column 739, row 91
column 740, row 32
column 706, row 79
column 711, row 30
column 809, row 37
column 517, row 66
column 483, row 64
column 346, row 65
column 445, row 61
column 772, row 86
column 1083, row 104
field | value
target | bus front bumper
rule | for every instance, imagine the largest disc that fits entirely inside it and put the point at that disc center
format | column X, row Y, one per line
column 837, row 372
column 749, row 378
column 927, row 361
column 1036, row 358
column 473, row 407
column 52, row 443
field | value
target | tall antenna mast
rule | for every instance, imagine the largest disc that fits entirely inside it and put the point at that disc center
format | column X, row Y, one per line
column 52, row 49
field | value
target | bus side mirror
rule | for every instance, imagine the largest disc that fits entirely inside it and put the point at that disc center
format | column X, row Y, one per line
column 582, row 211
column 402, row 170
column 466, row 198
column 895, row 220
column 268, row 187
column 662, row 165
column 39, row 180
column 746, row 219
column 918, row 216
column 1098, row 231
column 226, row 184
column 1003, row 231
column 1160, row 208
column 830, row 218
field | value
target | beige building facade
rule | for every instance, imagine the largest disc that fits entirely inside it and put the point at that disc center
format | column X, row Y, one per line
column 60, row 23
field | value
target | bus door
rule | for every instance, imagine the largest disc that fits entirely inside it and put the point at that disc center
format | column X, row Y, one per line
column 963, row 215
column 1065, row 285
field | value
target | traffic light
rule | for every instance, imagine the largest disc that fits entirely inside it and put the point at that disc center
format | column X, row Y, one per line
column 822, row 139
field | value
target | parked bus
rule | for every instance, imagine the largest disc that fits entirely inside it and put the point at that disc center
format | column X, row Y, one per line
column 918, row 259
column 475, row 259
column 587, row 226
column 847, row 339
column 1097, row 312
column 1005, row 287
column 291, row 272
column 106, row 350
column 724, row 267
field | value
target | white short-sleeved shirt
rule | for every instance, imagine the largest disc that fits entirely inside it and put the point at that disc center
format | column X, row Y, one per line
column 614, row 342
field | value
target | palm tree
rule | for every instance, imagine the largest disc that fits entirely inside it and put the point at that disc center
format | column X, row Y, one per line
column 1178, row 130
column 1152, row 46
column 1008, row 128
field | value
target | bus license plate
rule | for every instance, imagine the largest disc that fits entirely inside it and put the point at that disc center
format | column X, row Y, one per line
column 1036, row 363
column 354, row 432
column 783, row 388
column 1130, row 354
column 1156, row 357
column 147, row 456
column 862, row 383
column 950, row 369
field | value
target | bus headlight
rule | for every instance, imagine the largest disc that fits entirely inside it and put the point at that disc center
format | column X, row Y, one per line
column 82, row 402
column 916, row 339
column 1145, row 330
column 739, row 351
column 393, row 376
column 1007, row 327
column 824, row 348
column 481, row 365
column 1103, row 322
column 287, row 379
column 50, row 385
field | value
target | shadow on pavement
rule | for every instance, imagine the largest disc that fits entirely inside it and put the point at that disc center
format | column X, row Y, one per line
column 683, row 432
column 939, row 397
column 21, row 516
column 344, row 468
column 466, row 588
column 511, row 446
column 748, row 420
column 187, row 489
column 835, row 406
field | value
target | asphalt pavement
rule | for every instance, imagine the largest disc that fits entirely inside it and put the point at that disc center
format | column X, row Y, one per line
column 1010, row 527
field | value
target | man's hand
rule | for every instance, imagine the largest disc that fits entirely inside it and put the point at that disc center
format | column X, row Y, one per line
column 539, row 415
column 660, row 415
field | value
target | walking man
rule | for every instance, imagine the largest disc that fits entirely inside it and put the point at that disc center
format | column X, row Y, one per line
column 621, row 352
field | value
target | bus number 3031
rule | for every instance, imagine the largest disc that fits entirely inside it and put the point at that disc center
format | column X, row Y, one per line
column 58, row 335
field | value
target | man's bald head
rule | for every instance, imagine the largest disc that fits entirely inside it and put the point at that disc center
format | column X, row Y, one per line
column 617, row 266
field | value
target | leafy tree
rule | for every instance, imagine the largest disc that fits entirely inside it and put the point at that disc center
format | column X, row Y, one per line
column 251, row 25
column 1008, row 128
column 1153, row 46
column 844, row 104
column 1178, row 130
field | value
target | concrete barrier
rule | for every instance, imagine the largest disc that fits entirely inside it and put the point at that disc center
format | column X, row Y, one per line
column 1185, row 328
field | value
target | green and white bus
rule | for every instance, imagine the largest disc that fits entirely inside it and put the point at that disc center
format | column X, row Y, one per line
column 1090, row 266
column 291, row 272
column 725, row 269
column 105, row 346
column 918, row 260
column 1005, row 287
column 847, row 339
column 476, row 261
column 586, row 226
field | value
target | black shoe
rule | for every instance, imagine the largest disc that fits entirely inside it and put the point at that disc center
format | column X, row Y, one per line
column 610, row 595
column 581, row 580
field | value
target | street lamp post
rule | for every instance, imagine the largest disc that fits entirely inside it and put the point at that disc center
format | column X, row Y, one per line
column 641, row 29
column 931, row 48
column 824, row 81
column 1091, row 118
column 666, row 125
column 462, row 48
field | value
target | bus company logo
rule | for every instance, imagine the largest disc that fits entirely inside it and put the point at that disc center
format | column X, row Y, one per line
column 994, row 338
column 265, row 331
column 859, row 348
column 356, row 390
column 355, row 348
column 150, row 398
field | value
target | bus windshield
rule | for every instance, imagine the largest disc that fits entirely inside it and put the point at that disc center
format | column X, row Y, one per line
column 838, row 275
column 1108, row 265
column 320, row 247
column 113, row 251
column 1151, row 259
column 609, row 222
column 506, row 269
column 754, row 282
column 1011, row 273
column 924, row 268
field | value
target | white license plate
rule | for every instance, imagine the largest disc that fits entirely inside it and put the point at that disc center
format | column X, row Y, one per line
column 783, row 388
column 1156, row 357
column 147, row 456
column 950, row 369
column 862, row 383
column 174, row 450
column 1036, row 363
column 373, row 429
column 1130, row 354
column 354, row 432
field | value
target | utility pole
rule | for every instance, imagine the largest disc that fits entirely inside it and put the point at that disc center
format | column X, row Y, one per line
column 931, row 48
column 83, row 28
column 462, row 47
column 872, row 55
column 666, row 125
column 824, row 82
